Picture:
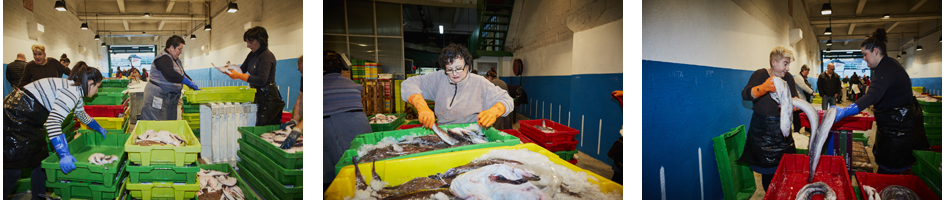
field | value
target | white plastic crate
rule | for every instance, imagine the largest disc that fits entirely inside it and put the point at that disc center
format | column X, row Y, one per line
column 218, row 132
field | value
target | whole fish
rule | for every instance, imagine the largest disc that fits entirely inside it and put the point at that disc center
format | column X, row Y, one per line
column 783, row 97
column 444, row 135
column 809, row 190
column 818, row 138
column 898, row 193
column 871, row 193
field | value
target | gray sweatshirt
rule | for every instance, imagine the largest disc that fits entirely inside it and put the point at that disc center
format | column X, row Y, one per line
column 472, row 95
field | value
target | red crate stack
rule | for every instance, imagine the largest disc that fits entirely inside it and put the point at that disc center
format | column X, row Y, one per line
column 104, row 111
column 794, row 170
column 562, row 139
column 521, row 137
column 848, row 123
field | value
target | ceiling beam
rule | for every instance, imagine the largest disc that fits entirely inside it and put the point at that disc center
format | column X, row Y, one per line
column 860, row 6
column 161, row 25
column 170, row 6
column 437, row 3
column 125, row 22
column 889, row 29
column 876, row 19
column 456, row 16
column 185, row 17
column 121, row 5
column 917, row 5
column 860, row 37
column 156, row 38
column 852, row 26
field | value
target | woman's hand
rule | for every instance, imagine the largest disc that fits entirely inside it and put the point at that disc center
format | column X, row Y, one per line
column 425, row 115
column 764, row 88
column 488, row 117
column 237, row 75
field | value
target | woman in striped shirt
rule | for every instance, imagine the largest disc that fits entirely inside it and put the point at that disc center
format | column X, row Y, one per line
column 40, row 107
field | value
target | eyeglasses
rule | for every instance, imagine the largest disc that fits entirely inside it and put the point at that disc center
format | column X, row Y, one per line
column 453, row 71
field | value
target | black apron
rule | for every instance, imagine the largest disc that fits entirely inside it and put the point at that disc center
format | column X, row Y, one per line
column 765, row 145
column 24, row 133
column 269, row 105
column 899, row 131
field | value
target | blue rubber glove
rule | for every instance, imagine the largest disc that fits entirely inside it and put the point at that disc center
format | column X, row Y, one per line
column 287, row 124
column 850, row 110
column 291, row 139
column 190, row 84
column 66, row 161
column 94, row 126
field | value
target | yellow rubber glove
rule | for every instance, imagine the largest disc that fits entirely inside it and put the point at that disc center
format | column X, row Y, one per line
column 764, row 88
column 427, row 118
column 236, row 75
column 488, row 117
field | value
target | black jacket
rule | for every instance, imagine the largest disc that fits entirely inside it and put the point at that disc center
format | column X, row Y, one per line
column 828, row 86
column 261, row 65
column 15, row 72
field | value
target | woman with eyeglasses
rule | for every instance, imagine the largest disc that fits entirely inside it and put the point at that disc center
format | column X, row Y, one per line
column 460, row 96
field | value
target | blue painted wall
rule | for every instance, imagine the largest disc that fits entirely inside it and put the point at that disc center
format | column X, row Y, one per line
column 7, row 88
column 932, row 84
column 586, row 95
column 684, row 107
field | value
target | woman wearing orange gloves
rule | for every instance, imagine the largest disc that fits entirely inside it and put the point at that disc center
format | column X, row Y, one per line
column 460, row 96
column 260, row 68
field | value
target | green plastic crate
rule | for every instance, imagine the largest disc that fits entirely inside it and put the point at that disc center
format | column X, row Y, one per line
column 191, row 108
column 162, row 173
column 264, row 184
column 932, row 118
column 226, row 168
column 115, row 83
column 148, row 155
column 934, row 140
column 87, row 190
column 282, row 175
column 251, row 136
column 110, row 131
column 83, row 147
column 156, row 190
column 112, row 89
column 495, row 137
column 108, row 122
column 931, row 107
column 22, row 185
column 106, row 98
column 566, row 155
column 929, row 163
column 933, row 129
column 388, row 126
column 196, row 133
column 191, row 117
column 926, row 179
column 801, row 151
column 738, row 182
column 221, row 94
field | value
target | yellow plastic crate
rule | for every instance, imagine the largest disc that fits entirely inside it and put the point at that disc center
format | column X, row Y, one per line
column 178, row 156
column 403, row 170
column 918, row 89
column 191, row 117
column 107, row 122
column 163, row 190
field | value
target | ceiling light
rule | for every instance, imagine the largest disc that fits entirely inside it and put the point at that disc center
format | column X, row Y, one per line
column 918, row 48
column 886, row 16
column 828, row 50
column 903, row 53
column 825, row 10
column 193, row 37
column 829, row 42
column 207, row 27
column 441, row 29
column 103, row 44
column 147, row 14
column 898, row 57
column 61, row 5
column 828, row 32
column 85, row 26
column 232, row 8
column 96, row 37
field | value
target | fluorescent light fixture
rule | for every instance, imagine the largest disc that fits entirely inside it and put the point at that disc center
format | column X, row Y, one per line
column 97, row 38
column 829, row 42
column 103, row 44
column 898, row 57
column 919, row 48
column 147, row 14
column 828, row 31
column 232, row 8
column 207, row 27
column 193, row 37
column 886, row 16
column 441, row 29
column 85, row 26
column 61, row 5
column 828, row 50
column 825, row 10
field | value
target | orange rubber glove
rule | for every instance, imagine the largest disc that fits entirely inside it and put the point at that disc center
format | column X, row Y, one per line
column 488, row 117
column 764, row 88
column 427, row 118
column 236, row 75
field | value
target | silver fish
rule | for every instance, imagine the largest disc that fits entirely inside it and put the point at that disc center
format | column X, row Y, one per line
column 818, row 138
column 871, row 193
column 783, row 97
column 899, row 193
column 809, row 190
column 809, row 111
column 445, row 136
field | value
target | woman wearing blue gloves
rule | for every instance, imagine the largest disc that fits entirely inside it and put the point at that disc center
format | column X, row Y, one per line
column 898, row 115
column 38, row 107
column 162, row 94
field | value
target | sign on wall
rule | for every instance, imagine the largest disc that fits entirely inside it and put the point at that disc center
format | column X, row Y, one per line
column 28, row 4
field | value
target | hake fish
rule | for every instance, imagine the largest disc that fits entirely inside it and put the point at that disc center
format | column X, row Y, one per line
column 818, row 138
column 809, row 190
column 783, row 96
column 899, row 193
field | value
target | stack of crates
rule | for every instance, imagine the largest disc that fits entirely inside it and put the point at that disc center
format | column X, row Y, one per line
column 929, row 168
column 109, row 106
column 371, row 70
column 270, row 170
column 358, row 71
column 164, row 172
column 191, row 114
column 89, row 181
column 561, row 141
column 932, row 115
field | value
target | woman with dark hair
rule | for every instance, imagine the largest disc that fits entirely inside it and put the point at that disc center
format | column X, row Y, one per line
column 163, row 91
column 260, row 68
column 64, row 60
column 40, row 107
column 898, row 115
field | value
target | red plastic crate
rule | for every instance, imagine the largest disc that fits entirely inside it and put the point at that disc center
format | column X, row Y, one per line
column 848, row 123
column 286, row 116
column 795, row 168
column 519, row 135
column 936, row 148
column 409, row 126
column 881, row 181
column 573, row 161
column 559, row 146
column 104, row 111
column 562, row 133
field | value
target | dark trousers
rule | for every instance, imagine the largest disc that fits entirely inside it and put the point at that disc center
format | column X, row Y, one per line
column 37, row 181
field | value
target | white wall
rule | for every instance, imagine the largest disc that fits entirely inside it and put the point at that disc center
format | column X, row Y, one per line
column 62, row 34
column 595, row 50
column 925, row 63
column 725, row 34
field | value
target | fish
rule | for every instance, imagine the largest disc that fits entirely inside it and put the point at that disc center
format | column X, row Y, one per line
column 811, row 189
column 871, row 193
column 360, row 184
column 482, row 184
column 101, row 159
column 782, row 96
column 422, row 194
column 456, row 171
column 444, row 135
column 818, row 138
column 899, row 193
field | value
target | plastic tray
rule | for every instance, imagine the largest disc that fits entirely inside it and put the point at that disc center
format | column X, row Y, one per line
column 196, row 132
column 738, row 181
column 930, row 107
column 927, row 180
column 106, row 98
column 492, row 135
column 560, row 146
column 191, row 117
column 934, row 139
column 122, row 83
column 162, row 173
column 87, row 190
column 848, row 123
column 83, row 147
column 794, row 170
column 111, row 131
column 108, row 122
column 221, row 94
column 104, row 111
column 177, row 191
column 929, row 163
column 178, row 156
column 263, row 180
column 112, row 89
column 932, row 118
column 226, row 168
column 881, row 181
column 282, row 175
column 286, row 116
column 191, row 108
column 562, row 133
column 519, row 135
column 573, row 161
column 933, row 129
column 388, row 126
column 399, row 171
column 251, row 136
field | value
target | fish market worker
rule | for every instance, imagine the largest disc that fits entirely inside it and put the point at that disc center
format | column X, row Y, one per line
column 765, row 144
column 260, row 68
column 343, row 116
column 40, row 108
column 162, row 94
column 898, row 115
column 460, row 97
